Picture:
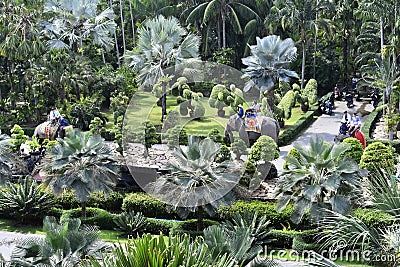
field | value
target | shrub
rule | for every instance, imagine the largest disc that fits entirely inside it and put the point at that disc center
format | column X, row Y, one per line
column 67, row 200
column 221, row 97
column 284, row 87
column 268, row 209
column 377, row 155
column 215, row 135
column 190, row 227
column 198, row 109
column 355, row 150
column 373, row 218
column 294, row 153
column 149, row 206
column 130, row 223
column 224, row 154
column 94, row 216
column 111, row 202
column 311, row 91
column 18, row 137
column 306, row 240
column 296, row 87
column 239, row 148
column 288, row 101
column 157, row 226
column 281, row 238
column 173, row 119
column 264, row 149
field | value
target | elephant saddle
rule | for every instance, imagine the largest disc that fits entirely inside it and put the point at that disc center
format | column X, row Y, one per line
column 251, row 123
column 48, row 130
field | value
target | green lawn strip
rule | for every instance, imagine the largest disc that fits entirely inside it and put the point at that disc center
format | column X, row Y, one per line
column 10, row 226
column 290, row 255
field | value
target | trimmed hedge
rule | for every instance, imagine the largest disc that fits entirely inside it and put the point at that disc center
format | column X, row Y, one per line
column 306, row 240
column 277, row 219
column 367, row 129
column 281, row 238
column 147, row 205
column 378, row 155
column 190, row 227
column 157, row 226
column 373, row 218
column 94, row 216
column 292, row 132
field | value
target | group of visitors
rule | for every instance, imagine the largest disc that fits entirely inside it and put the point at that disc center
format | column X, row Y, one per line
column 349, row 124
column 56, row 118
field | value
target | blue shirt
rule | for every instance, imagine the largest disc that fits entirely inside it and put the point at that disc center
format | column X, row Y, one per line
column 240, row 112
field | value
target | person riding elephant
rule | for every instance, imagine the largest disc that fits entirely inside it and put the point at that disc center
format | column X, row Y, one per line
column 267, row 126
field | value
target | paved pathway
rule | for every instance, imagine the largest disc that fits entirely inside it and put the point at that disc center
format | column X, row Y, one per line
column 326, row 126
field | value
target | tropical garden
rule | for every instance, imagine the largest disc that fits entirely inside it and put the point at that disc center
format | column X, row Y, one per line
column 133, row 75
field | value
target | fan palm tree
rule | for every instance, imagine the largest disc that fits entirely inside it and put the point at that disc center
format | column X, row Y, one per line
column 268, row 63
column 319, row 180
column 162, row 43
column 195, row 182
column 301, row 15
column 73, row 22
column 81, row 162
column 64, row 244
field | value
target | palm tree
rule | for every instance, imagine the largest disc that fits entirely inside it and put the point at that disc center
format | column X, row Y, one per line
column 73, row 22
column 81, row 162
column 220, row 13
column 318, row 180
column 195, row 182
column 162, row 43
column 301, row 15
column 8, row 159
column 64, row 244
column 267, row 64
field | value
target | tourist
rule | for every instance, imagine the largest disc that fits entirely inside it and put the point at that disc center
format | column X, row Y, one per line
column 344, row 129
column 240, row 112
column 355, row 123
column 255, row 106
column 346, row 117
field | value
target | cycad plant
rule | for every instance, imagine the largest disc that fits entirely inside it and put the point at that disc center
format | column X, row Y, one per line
column 196, row 182
column 319, row 180
column 81, row 162
column 64, row 244
column 158, row 251
column 8, row 159
column 25, row 200
column 130, row 222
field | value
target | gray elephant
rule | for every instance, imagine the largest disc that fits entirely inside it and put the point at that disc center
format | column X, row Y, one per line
column 47, row 130
column 268, row 126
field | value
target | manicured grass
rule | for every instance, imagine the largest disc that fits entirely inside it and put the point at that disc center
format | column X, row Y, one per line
column 296, row 115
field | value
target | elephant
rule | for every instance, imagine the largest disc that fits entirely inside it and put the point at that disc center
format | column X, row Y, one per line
column 269, row 127
column 47, row 130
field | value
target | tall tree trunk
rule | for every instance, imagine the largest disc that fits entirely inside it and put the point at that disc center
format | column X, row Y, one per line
column 303, row 61
column 116, row 41
column 83, row 206
column 219, row 33
column 133, row 23
column 122, row 26
column 199, row 218
column 163, row 102
column 315, row 51
column 103, row 58
column 223, row 32
column 345, row 57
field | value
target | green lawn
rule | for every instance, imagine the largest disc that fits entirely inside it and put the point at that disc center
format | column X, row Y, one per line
column 143, row 107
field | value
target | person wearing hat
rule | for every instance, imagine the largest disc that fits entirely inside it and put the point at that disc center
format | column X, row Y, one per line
column 344, row 129
column 240, row 111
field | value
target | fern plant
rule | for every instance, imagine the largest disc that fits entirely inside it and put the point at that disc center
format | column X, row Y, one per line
column 25, row 200
column 130, row 222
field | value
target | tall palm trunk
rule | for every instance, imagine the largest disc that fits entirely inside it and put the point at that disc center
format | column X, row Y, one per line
column 199, row 213
column 303, row 61
column 122, row 26
column 116, row 41
column 163, row 102
column 133, row 23
column 219, row 33
column 223, row 17
column 345, row 57
column 83, row 206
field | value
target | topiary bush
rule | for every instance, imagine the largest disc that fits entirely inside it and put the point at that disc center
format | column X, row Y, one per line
column 377, row 155
column 277, row 219
column 18, row 137
column 311, row 91
column 264, row 149
column 296, row 87
column 294, row 153
column 157, row 226
column 149, row 206
column 224, row 154
column 355, row 150
column 288, row 101
column 215, row 135
column 306, row 240
column 94, row 216
column 67, row 200
column 284, row 87
column 111, row 202
column 189, row 227
column 373, row 218
column 239, row 148
column 281, row 238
